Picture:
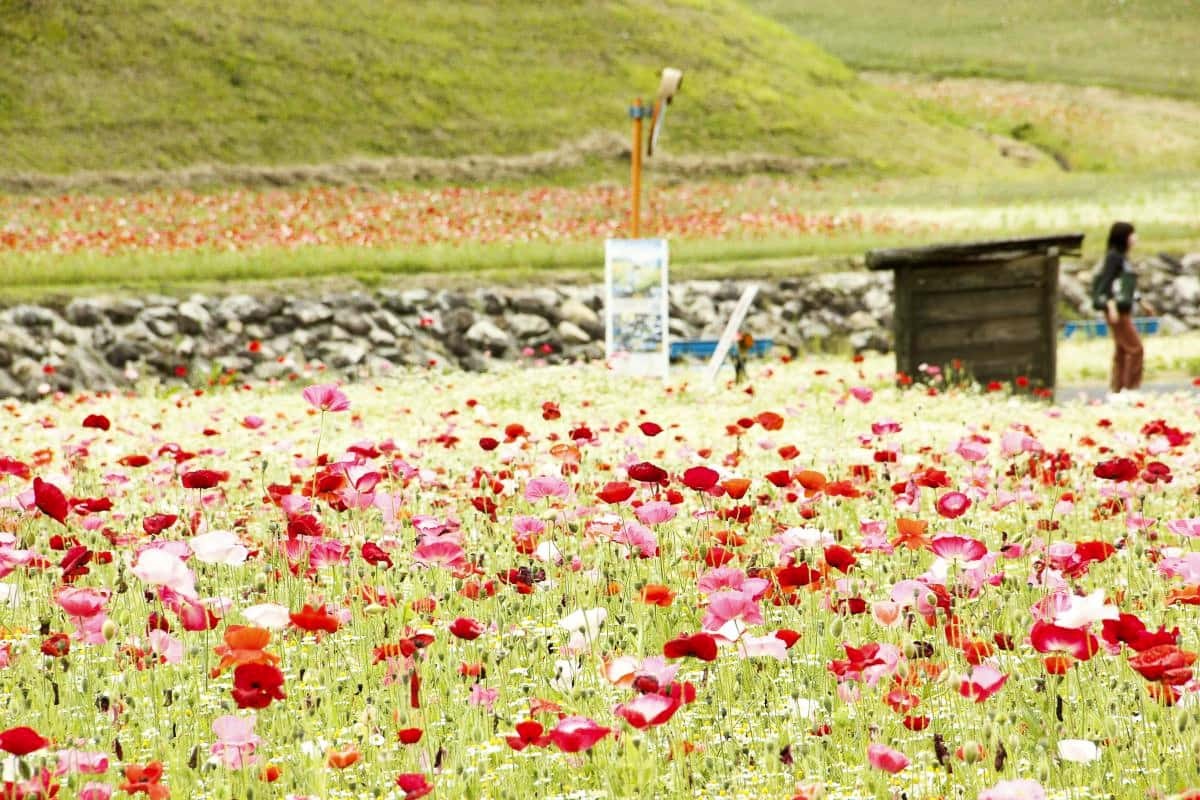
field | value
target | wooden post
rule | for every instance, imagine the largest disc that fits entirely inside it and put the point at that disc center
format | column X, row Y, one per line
column 635, row 169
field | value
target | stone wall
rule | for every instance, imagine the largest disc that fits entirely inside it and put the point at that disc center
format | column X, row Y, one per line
column 103, row 343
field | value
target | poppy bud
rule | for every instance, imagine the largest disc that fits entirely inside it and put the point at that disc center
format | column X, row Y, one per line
column 835, row 628
column 373, row 609
column 108, row 630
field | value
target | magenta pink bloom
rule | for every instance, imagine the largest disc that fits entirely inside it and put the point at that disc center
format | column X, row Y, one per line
column 984, row 682
column 728, row 605
column 1049, row 638
column 640, row 540
column 83, row 762
column 326, row 397
column 441, row 553
column 649, row 709
column 81, row 602
column 885, row 758
column 655, row 512
column 546, row 486
column 93, row 790
column 958, row 548
column 953, row 505
column 574, row 734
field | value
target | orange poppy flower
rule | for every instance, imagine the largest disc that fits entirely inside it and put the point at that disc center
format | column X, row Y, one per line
column 346, row 757
column 658, row 595
column 912, row 534
column 736, row 487
column 811, row 480
column 244, row 644
column 1184, row 595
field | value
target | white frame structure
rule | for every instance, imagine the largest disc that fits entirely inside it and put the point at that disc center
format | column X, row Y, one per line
column 636, row 286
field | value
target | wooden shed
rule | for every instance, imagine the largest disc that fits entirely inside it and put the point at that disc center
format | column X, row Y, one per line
column 992, row 304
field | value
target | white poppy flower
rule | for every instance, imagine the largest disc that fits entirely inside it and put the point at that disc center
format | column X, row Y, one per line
column 1079, row 751
column 219, row 547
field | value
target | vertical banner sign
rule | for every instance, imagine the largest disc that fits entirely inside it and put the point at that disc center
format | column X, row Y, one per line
column 636, row 306
column 731, row 331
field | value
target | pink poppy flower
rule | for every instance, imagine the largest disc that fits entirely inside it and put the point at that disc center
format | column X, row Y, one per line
column 326, row 397
column 1022, row 789
column 546, row 486
column 885, row 758
column 575, row 734
column 236, row 741
column 985, row 681
column 958, row 548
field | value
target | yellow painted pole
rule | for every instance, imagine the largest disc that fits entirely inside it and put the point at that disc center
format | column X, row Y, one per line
column 635, row 169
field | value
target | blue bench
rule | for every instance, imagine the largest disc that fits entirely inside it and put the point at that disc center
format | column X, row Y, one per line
column 704, row 348
column 1098, row 328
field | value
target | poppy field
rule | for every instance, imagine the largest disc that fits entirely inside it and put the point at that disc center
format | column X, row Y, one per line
column 553, row 583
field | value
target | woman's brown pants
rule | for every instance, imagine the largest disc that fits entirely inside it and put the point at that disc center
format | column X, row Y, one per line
column 1127, row 355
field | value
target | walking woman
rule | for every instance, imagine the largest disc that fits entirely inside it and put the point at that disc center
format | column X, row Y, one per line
column 1115, row 292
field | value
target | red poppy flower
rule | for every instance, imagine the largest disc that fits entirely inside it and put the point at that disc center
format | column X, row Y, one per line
column 203, row 478
column 770, row 420
column 953, row 505
column 700, row 645
column 529, row 733
column 157, row 523
column 414, row 785
column 97, row 421
column 575, row 734
column 21, row 741
column 1133, row 632
column 314, row 619
column 375, row 555
column 787, row 636
column 487, row 444
column 615, row 492
column 467, row 628
column 839, row 558
column 1116, row 469
column 700, row 479
column 647, row 473
column 1165, row 663
column 410, row 735
column 256, row 685
column 56, row 645
column 650, row 428
column 658, row 595
column 50, row 500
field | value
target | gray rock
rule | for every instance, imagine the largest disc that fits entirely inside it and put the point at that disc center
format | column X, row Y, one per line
column 861, row 321
column 28, row 316
column 84, row 312
column 388, row 321
column 1171, row 326
column 340, row 355
column 572, row 334
column 528, row 326
column 489, row 301
column 1185, row 290
column 241, row 308
column 122, row 352
column 194, row 318
column 124, row 310
column 810, row 329
column 485, row 335
column 870, row 340
column 581, row 315
column 458, row 319
column 1191, row 262
column 309, row 312
column 381, row 338
column 160, row 320
column 542, row 302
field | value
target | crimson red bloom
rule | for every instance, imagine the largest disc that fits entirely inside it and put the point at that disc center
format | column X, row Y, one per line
column 410, row 735
column 375, row 555
column 1117, row 469
column 700, row 478
column 21, row 741
column 1165, row 663
column 157, row 523
column 203, row 478
column 467, row 628
column 256, row 685
column 529, row 732
column 647, row 473
column 839, row 558
column 700, row 645
column 97, row 421
column 615, row 492
column 414, row 785
column 650, row 428
column 50, row 500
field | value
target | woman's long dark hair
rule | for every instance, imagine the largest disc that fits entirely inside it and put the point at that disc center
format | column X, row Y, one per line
column 1118, row 236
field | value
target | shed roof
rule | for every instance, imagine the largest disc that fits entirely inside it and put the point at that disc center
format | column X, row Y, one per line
column 946, row 255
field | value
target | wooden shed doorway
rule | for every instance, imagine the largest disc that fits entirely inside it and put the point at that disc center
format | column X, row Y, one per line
column 992, row 305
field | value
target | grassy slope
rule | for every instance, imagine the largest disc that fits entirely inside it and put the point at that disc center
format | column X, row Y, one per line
column 1139, row 45
column 146, row 84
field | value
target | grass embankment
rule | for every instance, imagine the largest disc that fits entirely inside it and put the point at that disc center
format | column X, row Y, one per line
column 1148, row 46
column 144, row 84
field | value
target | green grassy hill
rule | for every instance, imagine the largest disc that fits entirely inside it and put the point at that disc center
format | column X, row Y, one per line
column 163, row 84
column 1147, row 46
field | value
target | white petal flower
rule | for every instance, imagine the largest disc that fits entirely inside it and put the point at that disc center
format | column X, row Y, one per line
column 219, row 547
column 268, row 615
column 588, row 621
column 1079, row 751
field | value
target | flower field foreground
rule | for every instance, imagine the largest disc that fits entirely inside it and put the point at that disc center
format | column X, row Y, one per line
column 556, row 584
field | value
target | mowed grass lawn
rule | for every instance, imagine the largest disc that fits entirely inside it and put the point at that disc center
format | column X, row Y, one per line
column 1145, row 46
